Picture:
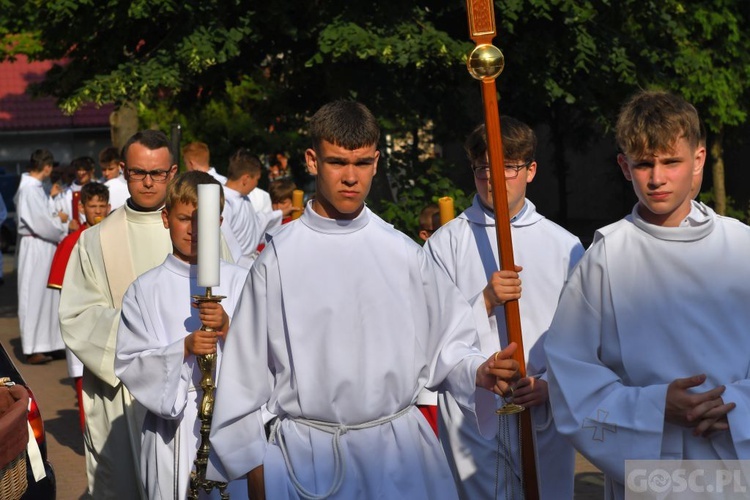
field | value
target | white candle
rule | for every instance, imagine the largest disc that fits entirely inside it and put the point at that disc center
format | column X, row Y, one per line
column 208, row 234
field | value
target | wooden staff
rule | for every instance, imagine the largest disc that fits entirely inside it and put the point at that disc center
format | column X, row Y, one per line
column 485, row 63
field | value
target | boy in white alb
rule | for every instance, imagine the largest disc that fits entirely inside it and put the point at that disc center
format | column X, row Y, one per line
column 648, row 350
column 343, row 320
column 466, row 248
column 39, row 231
column 159, row 338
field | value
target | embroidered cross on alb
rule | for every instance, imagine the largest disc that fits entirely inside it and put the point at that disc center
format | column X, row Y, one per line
column 599, row 425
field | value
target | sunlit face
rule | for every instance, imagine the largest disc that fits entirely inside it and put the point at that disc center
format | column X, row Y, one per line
column 342, row 178
column 182, row 221
column 95, row 210
column 664, row 181
column 83, row 176
column 111, row 171
column 147, row 193
column 515, row 188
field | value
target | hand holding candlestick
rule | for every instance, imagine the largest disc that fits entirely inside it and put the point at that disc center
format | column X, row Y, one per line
column 208, row 276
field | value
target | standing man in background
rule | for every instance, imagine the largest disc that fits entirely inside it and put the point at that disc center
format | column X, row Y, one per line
column 197, row 157
column 39, row 232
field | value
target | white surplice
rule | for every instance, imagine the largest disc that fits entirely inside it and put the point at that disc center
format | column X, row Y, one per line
column 105, row 261
column 647, row 305
column 156, row 317
column 466, row 248
column 261, row 200
column 268, row 218
column 344, row 322
column 241, row 227
column 216, row 175
column 118, row 191
column 39, row 232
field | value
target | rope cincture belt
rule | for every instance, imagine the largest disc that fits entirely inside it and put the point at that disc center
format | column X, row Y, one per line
column 339, row 465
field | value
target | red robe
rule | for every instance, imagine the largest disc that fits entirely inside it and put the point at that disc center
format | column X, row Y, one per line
column 60, row 260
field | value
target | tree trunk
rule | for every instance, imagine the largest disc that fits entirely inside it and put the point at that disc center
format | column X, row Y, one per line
column 717, row 155
column 123, row 123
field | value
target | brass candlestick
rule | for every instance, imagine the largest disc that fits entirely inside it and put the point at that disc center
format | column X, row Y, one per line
column 207, row 364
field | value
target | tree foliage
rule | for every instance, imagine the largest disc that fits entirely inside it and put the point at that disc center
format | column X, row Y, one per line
column 240, row 73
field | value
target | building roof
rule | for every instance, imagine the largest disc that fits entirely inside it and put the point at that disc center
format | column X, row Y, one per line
column 19, row 111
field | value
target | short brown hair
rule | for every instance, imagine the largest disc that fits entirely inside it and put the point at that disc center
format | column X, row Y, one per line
column 109, row 155
column 243, row 162
column 40, row 159
column 197, row 152
column 83, row 163
column 184, row 189
column 347, row 124
column 519, row 141
column 93, row 189
column 652, row 120
column 281, row 189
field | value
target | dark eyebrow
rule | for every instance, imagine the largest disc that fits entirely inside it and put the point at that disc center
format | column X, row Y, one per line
column 340, row 159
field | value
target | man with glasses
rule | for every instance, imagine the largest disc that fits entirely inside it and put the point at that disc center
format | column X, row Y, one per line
column 466, row 248
column 106, row 259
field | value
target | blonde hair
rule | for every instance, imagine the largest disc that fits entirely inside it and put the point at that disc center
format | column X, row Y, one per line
column 197, row 152
column 184, row 189
column 652, row 120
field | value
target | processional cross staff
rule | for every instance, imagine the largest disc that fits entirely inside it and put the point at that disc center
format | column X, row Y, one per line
column 485, row 63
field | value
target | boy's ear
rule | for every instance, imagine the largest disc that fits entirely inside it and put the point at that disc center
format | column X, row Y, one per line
column 622, row 160
column 165, row 217
column 700, row 160
column 311, row 159
column 531, row 172
column 221, row 220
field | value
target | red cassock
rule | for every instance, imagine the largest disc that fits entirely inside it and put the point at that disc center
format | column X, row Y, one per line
column 60, row 260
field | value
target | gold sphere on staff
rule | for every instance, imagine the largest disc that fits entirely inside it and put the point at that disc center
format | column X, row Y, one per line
column 485, row 62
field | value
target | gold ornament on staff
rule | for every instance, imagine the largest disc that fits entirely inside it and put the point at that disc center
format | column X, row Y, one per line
column 207, row 364
column 485, row 63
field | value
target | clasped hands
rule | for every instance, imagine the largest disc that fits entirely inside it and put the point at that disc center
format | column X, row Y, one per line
column 705, row 411
column 212, row 316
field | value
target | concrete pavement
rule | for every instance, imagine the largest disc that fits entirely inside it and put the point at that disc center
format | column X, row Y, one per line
column 57, row 401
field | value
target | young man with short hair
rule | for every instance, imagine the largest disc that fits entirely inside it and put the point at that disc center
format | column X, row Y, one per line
column 343, row 320
column 198, row 157
column 647, row 352
column 466, row 248
column 39, row 231
column 111, row 165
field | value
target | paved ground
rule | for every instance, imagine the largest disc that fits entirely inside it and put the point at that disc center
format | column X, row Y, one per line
column 56, row 396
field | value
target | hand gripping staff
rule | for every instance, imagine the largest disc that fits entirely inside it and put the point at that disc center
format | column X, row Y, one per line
column 485, row 63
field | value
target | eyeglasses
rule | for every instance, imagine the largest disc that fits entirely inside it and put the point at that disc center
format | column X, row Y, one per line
column 156, row 175
column 482, row 170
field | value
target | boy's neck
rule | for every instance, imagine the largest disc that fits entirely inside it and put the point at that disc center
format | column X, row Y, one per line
column 184, row 258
